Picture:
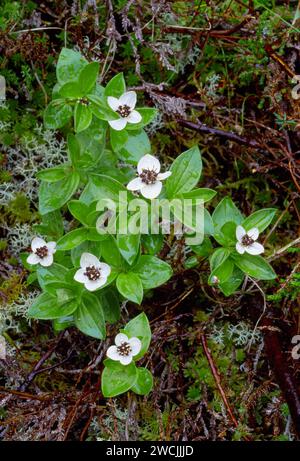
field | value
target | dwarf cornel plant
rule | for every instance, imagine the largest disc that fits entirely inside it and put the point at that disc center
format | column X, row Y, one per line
column 86, row 273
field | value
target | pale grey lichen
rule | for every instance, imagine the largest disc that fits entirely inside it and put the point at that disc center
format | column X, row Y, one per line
column 240, row 334
column 41, row 150
column 19, row 237
column 217, row 335
column 9, row 313
column 211, row 85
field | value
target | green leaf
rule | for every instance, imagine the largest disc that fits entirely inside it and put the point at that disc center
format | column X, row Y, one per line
column 62, row 323
column 63, row 291
column 208, row 223
column 46, row 307
column 72, row 239
column 218, row 257
column 100, row 109
column 85, row 247
column 222, row 272
column 94, row 235
column 229, row 231
column 190, row 262
column 226, row 211
column 102, row 187
column 71, row 90
column 233, row 282
column 54, row 195
column 152, row 271
column 57, row 114
column 130, row 286
column 117, row 379
column 204, row 249
column 254, row 266
column 52, row 174
column 53, row 273
column 129, row 246
column 204, row 194
column 186, row 172
column 111, row 304
column 260, row 219
column 135, row 146
column 51, row 226
column 79, row 210
column 88, row 77
column 116, row 86
column 221, row 265
column 144, row 382
column 69, row 65
column 82, row 117
column 148, row 114
column 226, row 235
column 73, row 148
column 139, row 327
column 89, row 317
column 152, row 243
column 111, row 254
column 92, row 142
column 118, row 139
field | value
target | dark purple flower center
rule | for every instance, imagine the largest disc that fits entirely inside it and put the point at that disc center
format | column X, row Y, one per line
column 42, row 252
column 124, row 111
column 149, row 176
column 92, row 273
column 246, row 240
column 124, row 349
column 84, row 101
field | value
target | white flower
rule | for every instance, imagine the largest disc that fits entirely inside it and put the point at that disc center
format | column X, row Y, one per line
column 124, row 106
column 42, row 252
column 92, row 272
column 124, row 349
column 149, row 177
column 246, row 241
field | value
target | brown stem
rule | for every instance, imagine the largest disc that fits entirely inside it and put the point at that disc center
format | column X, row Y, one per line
column 37, row 368
column 217, row 378
column 217, row 132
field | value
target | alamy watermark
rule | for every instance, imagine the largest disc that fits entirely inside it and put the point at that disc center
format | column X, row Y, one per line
column 296, row 89
column 2, row 348
column 130, row 215
column 296, row 348
column 2, row 88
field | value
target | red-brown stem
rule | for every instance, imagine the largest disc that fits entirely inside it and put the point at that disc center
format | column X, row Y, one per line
column 221, row 133
column 217, row 379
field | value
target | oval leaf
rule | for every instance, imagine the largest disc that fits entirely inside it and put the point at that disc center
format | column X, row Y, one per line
column 144, row 382
column 255, row 266
column 89, row 317
column 186, row 172
column 117, row 379
column 72, row 239
column 53, row 196
column 152, row 271
column 130, row 286
column 260, row 219
column 57, row 114
column 139, row 327
column 47, row 307
column 129, row 246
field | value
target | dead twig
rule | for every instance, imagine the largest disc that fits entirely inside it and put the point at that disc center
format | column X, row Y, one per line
column 217, row 379
column 200, row 127
column 37, row 368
